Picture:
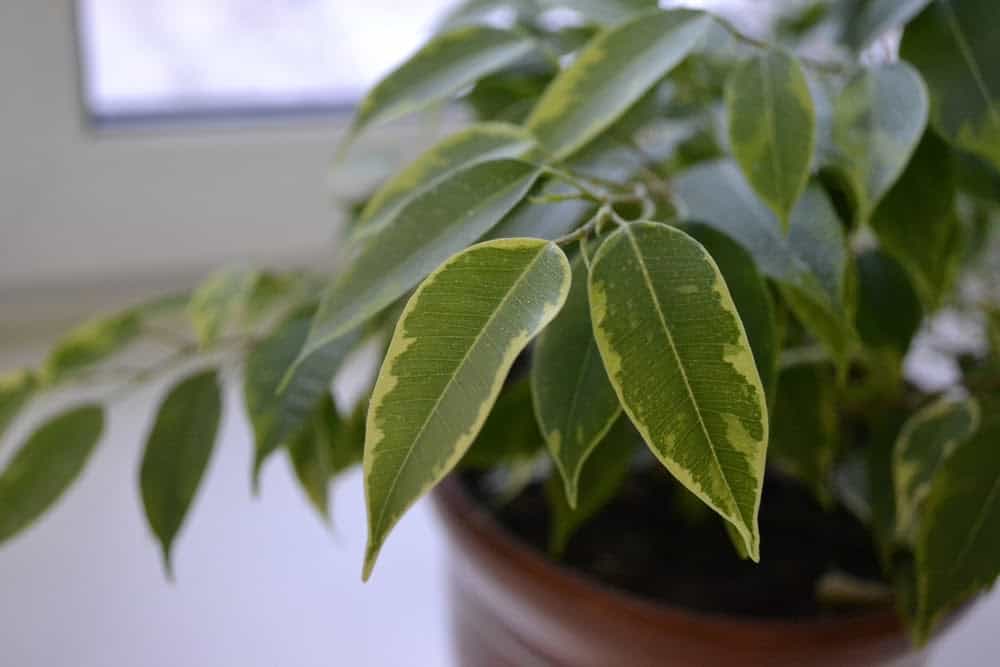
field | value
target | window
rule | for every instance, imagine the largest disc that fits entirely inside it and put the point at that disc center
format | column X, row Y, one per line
column 170, row 58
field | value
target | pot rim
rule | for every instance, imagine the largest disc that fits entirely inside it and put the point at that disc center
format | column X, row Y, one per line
column 473, row 525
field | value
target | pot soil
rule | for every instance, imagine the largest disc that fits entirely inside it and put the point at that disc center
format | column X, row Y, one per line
column 641, row 585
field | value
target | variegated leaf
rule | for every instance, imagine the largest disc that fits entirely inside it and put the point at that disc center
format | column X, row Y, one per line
column 679, row 359
column 809, row 263
column 879, row 118
column 440, row 69
column 46, row 465
column 953, row 44
column 450, row 353
column 926, row 441
column 221, row 298
column 958, row 554
column 610, row 74
column 474, row 144
column 751, row 296
column 573, row 400
column 439, row 222
column 90, row 343
column 16, row 389
column 772, row 127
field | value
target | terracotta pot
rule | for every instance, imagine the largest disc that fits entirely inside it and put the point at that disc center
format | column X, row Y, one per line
column 511, row 606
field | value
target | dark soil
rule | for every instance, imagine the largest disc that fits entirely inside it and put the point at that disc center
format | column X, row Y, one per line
column 641, row 543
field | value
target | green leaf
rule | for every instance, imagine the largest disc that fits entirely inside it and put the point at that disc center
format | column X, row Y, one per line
column 510, row 433
column 546, row 221
column 889, row 310
column 221, row 299
column 917, row 222
column 610, row 74
column 809, row 263
column 879, row 118
column 600, row 480
column 877, row 17
column 772, row 127
column 279, row 413
column 310, row 451
column 953, row 44
column 451, row 351
column 573, row 400
column 751, row 296
column 805, row 433
column 177, row 452
column 957, row 550
column 443, row 67
column 16, row 389
column 605, row 12
column 90, row 343
column 46, row 465
column 474, row 144
column 679, row 359
column 926, row 441
column 439, row 222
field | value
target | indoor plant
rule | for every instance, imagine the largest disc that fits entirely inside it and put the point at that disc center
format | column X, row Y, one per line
column 673, row 234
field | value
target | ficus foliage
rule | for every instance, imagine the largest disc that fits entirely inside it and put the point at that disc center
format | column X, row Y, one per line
column 706, row 242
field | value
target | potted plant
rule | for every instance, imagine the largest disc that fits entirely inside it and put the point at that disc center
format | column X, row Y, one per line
column 644, row 321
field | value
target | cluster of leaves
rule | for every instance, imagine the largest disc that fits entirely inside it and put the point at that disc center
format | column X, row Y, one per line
column 710, row 245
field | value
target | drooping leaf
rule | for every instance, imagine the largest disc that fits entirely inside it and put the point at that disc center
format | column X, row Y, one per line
column 926, row 441
column 279, row 413
column 602, row 476
column 309, row 452
column 16, row 389
column 679, row 359
column 573, row 400
column 884, row 427
column 879, row 118
column 917, row 221
column 221, row 299
column 510, row 432
column 957, row 550
column 450, row 353
column 805, row 434
column 889, row 311
column 610, row 74
column 809, row 263
column 877, row 17
column 474, row 144
column 46, row 465
column 440, row 69
column 751, row 296
column 439, row 222
column 772, row 127
column 953, row 44
column 89, row 344
column 177, row 452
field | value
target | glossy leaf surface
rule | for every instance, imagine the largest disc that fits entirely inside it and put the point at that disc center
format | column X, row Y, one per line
column 679, row 359
column 452, row 348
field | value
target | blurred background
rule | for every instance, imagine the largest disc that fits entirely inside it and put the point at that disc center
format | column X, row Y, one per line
column 144, row 143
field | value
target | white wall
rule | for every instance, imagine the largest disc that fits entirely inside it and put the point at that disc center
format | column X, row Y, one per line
column 80, row 206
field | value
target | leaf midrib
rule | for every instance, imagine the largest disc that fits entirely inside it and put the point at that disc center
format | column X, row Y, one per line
column 680, row 365
column 465, row 357
column 951, row 20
